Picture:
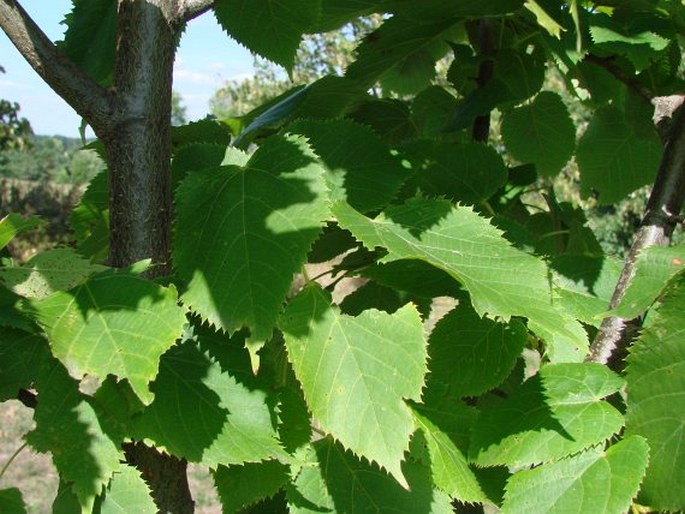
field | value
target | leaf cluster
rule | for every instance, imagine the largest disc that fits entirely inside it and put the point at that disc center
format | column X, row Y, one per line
column 369, row 309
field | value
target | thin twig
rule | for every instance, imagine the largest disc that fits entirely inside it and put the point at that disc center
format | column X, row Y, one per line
column 88, row 99
column 661, row 217
column 12, row 457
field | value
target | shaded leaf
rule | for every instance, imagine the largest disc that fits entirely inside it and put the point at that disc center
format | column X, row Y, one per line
column 90, row 39
column 356, row 371
column 21, row 356
column 615, row 157
column 451, row 472
column 398, row 41
column 207, row 412
column 242, row 486
column 593, row 481
column 114, row 323
column 463, row 344
column 360, row 167
column 270, row 28
column 333, row 481
column 470, row 173
column 90, row 219
column 541, row 133
column 11, row 501
column 554, row 414
column 239, row 253
column 68, row 427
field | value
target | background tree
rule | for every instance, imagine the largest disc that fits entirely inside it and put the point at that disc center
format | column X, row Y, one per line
column 13, row 129
column 307, row 399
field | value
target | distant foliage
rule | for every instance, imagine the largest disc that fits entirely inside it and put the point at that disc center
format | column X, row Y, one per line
column 52, row 159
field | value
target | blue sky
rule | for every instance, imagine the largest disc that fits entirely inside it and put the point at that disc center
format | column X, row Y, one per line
column 206, row 59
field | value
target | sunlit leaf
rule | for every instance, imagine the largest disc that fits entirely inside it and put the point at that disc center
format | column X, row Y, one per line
column 114, row 323
column 501, row 280
column 356, row 371
column 656, row 401
column 593, row 481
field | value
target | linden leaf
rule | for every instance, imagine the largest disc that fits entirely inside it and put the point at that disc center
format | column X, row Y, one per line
column 114, row 323
column 356, row 371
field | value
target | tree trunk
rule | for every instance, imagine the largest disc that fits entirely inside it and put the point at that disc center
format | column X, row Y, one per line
column 139, row 147
column 138, row 152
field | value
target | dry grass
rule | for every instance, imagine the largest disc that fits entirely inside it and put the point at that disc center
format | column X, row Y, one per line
column 32, row 473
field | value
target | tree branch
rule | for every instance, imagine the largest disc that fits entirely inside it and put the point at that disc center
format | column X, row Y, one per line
column 191, row 9
column 661, row 217
column 610, row 65
column 82, row 93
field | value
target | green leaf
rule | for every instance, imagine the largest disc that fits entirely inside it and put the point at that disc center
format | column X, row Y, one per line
column 205, row 131
column 389, row 118
column 399, row 42
column 14, row 224
column 127, row 492
column 336, row 13
column 431, row 110
column 585, row 284
column 21, row 357
column 242, row 486
column 451, row 472
column 10, row 315
column 463, row 344
column 501, row 280
column 615, row 156
column 48, row 272
column 656, row 401
column 333, row 481
column 654, row 268
column 371, row 362
column 239, row 253
column 414, row 73
column 554, row 414
column 360, row 168
column 206, row 410
column 270, row 28
column 544, row 19
column 199, row 156
column 593, row 481
column 431, row 10
column 90, row 219
column 90, row 39
column 470, row 173
column 11, row 501
column 114, row 323
column 541, row 133
column 68, row 427
column 639, row 42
